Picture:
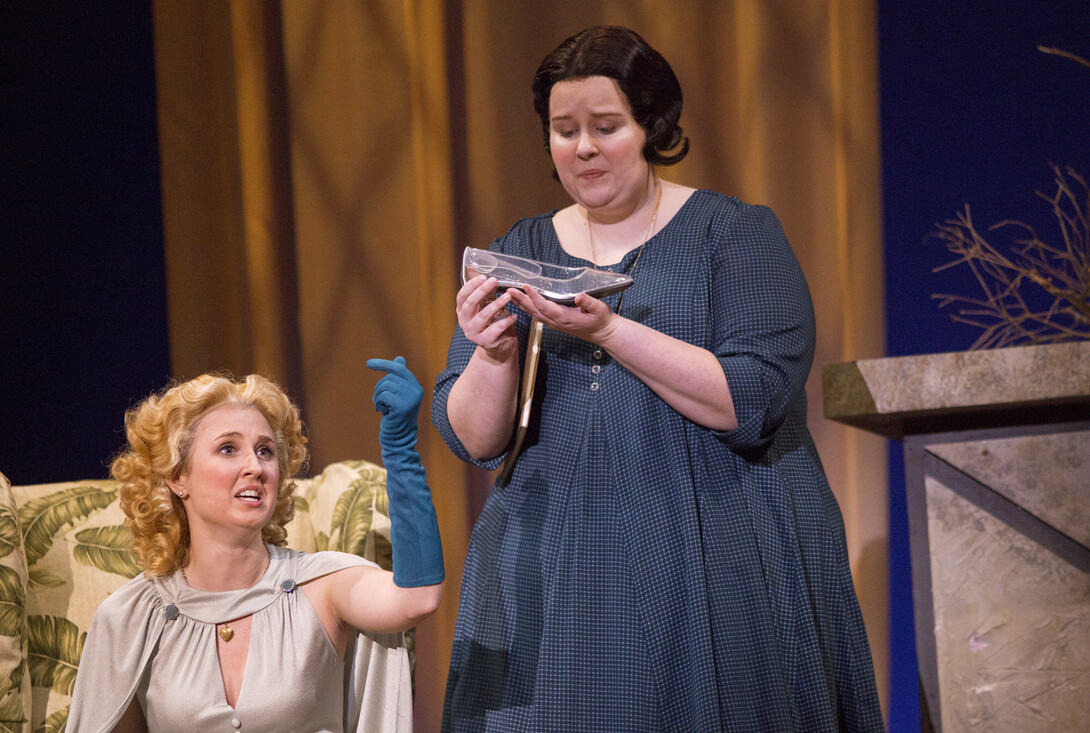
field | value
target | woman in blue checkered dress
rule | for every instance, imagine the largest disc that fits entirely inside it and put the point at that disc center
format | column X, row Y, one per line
column 666, row 554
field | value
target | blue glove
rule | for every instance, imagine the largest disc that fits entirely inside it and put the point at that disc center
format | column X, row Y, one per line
column 414, row 530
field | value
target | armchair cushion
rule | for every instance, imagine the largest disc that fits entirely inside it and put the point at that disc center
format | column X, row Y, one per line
column 14, row 680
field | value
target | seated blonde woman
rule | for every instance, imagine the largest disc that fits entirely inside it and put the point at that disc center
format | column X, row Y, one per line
column 227, row 629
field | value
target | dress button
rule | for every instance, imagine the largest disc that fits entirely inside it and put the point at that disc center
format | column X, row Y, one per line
column 597, row 353
column 594, row 386
column 596, row 368
column 236, row 723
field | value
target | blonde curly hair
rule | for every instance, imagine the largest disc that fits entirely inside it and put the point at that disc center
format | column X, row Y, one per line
column 160, row 432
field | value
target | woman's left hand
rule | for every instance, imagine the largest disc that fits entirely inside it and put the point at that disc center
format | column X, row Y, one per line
column 589, row 319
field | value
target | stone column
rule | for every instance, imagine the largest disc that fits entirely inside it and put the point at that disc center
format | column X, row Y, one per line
column 997, row 469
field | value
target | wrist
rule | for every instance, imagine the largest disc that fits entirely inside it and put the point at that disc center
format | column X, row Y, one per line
column 607, row 334
column 496, row 357
column 394, row 444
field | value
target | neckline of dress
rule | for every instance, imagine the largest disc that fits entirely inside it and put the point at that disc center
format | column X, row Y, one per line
column 622, row 263
column 211, row 606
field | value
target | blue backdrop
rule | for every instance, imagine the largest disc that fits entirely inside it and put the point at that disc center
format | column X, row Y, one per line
column 83, row 322
column 971, row 113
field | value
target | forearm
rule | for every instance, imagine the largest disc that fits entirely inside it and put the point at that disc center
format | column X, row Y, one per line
column 482, row 403
column 687, row 377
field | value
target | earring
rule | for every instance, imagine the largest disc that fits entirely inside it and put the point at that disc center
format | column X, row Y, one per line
column 181, row 494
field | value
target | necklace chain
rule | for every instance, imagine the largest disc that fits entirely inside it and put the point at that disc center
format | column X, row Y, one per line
column 646, row 239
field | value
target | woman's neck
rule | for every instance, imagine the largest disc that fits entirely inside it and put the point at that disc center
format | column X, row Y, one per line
column 611, row 238
column 217, row 566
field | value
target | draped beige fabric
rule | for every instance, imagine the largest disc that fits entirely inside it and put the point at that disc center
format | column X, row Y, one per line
column 325, row 162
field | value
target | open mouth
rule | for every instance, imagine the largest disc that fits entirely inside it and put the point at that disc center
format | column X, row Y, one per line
column 249, row 495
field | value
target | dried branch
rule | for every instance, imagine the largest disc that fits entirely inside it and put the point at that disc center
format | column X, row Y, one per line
column 1056, row 275
column 1065, row 54
column 1036, row 292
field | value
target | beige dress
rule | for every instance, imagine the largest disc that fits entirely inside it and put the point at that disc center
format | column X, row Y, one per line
column 156, row 640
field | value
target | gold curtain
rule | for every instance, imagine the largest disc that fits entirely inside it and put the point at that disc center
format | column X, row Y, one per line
column 324, row 163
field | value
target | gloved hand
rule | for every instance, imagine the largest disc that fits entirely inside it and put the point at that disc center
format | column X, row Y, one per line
column 414, row 530
column 397, row 396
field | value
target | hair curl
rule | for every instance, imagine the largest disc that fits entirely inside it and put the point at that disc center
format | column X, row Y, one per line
column 645, row 77
column 160, row 433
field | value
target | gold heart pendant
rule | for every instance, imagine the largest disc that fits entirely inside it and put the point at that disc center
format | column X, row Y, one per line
column 227, row 633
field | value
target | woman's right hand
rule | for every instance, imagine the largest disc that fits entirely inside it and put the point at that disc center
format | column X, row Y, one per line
column 485, row 320
column 481, row 404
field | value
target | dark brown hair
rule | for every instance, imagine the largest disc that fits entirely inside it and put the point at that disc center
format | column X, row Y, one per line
column 653, row 92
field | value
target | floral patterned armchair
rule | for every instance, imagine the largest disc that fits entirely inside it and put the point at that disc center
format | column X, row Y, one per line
column 64, row 548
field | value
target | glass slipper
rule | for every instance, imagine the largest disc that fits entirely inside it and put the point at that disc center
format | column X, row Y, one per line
column 555, row 283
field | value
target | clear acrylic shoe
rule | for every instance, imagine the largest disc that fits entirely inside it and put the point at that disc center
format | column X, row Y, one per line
column 555, row 283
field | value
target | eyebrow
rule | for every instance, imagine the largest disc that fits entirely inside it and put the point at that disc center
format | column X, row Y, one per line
column 592, row 114
column 237, row 434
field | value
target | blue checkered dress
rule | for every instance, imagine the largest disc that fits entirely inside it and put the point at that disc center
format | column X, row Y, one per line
column 643, row 573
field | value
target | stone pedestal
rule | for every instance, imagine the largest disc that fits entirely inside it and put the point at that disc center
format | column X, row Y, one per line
column 997, row 469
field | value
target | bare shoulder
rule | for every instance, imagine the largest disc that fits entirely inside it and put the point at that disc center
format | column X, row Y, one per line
column 338, row 579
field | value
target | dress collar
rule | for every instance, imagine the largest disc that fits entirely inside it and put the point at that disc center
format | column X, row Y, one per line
column 216, row 607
